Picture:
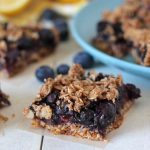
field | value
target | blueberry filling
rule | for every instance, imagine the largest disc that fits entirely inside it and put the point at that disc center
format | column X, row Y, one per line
column 11, row 59
column 132, row 91
column 25, row 43
column 117, row 28
column 112, row 34
column 47, row 38
column 102, row 25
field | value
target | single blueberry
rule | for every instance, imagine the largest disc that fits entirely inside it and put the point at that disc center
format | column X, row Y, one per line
column 62, row 27
column 63, row 69
column 49, row 14
column 47, row 37
column 106, row 112
column 101, row 26
column 25, row 43
column 44, row 72
column 84, row 59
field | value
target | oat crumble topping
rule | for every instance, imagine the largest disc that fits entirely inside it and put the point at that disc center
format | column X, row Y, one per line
column 77, row 92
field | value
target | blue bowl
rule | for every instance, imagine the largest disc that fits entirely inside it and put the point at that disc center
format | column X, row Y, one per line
column 83, row 28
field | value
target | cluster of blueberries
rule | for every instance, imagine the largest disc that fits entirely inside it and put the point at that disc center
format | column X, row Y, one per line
column 59, row 22
column 82, row 58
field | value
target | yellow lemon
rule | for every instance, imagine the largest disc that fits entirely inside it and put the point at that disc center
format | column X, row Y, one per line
column 68, row 1
column 10, row 7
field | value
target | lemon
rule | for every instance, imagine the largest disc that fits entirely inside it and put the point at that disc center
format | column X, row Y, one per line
column 68, row 1
column 10, row 7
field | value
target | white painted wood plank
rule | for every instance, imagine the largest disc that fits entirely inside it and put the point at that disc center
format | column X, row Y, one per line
column 55, row 144
column 19, row 140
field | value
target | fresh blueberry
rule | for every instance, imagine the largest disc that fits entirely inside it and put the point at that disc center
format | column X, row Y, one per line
column 63, row 69
column 49, row 14
column 84, row 59
column 44, row 72
column 47, row 37
column 106, row 112
column 62, row 27
column 101, row 26
column 25, row 43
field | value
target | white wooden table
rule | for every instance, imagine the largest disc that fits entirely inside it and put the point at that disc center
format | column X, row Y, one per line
column 16, row 139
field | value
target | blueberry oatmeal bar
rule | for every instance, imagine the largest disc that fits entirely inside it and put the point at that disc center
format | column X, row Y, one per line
column 119, row 32
column 21, row 46
column 82, row 105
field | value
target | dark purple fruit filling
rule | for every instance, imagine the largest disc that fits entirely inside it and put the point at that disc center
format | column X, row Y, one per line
column 47, row 38
column 106, row 114
column 132, row 91
column 11, row 59
column 121, row 98
column 25, row 43
column 102, row 25
column 117, row 28
column 52, row 98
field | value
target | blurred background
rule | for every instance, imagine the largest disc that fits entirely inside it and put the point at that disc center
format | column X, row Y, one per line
column 24, row 11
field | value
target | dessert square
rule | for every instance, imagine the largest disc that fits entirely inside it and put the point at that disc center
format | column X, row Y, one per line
column 21, row 46
column 86, row 105
column 125, row 30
